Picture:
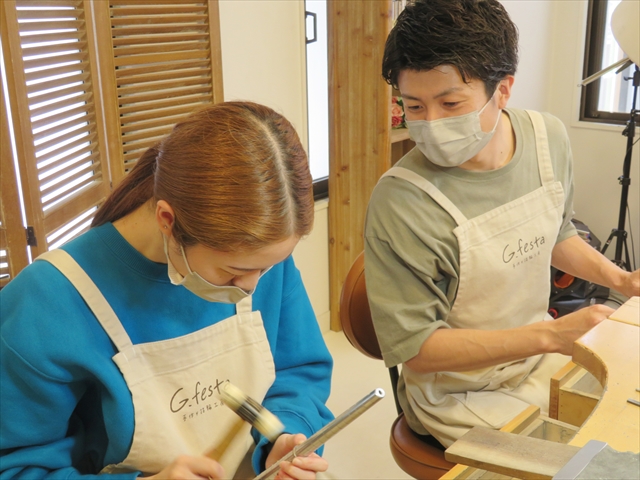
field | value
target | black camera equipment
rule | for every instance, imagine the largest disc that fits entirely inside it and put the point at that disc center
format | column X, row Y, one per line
column 620, row 233
column 569, row 293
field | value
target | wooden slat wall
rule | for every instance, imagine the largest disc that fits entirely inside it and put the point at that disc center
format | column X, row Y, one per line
column 54, row 116
column 165, row 62
column 91, row 85
column 359, row 130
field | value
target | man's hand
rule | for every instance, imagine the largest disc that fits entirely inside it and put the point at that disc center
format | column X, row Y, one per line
column 187, row 467
column 631, row 284
column 301, row 468
column 567, row 329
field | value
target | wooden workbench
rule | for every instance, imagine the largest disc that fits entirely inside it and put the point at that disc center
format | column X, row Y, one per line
column 611, row 353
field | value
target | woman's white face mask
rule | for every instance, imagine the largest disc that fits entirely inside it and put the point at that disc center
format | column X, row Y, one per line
column 202, row 288
column 450, row 142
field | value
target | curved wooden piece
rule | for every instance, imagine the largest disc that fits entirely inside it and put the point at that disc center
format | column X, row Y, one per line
column 611, row 353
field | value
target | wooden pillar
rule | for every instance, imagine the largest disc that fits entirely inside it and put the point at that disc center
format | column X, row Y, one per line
column 359, row 127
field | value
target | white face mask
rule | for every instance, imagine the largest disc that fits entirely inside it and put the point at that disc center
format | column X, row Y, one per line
column 200, row 287
column 449, row 142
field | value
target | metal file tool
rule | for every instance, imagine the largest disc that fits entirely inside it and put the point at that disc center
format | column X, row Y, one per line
column 321, row 436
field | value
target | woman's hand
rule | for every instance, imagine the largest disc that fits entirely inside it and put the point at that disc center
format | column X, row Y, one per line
column 301, row 468
column 187, row 467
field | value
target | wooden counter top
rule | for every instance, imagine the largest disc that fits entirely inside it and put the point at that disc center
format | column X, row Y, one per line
column 611, row 353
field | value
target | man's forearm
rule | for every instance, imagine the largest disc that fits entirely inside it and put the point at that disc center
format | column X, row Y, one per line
column 576, row 257
column 459, row 350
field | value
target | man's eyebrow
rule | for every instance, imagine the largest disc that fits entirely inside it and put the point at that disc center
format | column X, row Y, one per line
column 410, row 97
column 441, row 94
column 447, row 92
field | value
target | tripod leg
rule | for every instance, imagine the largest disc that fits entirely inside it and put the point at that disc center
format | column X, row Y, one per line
column 608, row 242
column 627, row 266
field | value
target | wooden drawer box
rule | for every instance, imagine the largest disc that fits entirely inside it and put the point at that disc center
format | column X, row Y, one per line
column 574, row 394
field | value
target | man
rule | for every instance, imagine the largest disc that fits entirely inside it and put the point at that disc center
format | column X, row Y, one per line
column 467, row 225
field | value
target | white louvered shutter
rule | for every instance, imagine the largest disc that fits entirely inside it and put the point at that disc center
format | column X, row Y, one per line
column 91, row 85
column 165, row 63
column 52, row 90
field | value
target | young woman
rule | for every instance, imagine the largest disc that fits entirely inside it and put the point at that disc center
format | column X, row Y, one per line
column 116, row 345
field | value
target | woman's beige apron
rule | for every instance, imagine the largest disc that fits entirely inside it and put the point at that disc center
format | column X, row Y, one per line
column 505, row 256
column 175, row 383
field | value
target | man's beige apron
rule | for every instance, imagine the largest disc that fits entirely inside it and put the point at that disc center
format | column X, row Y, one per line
column 175, row 383
column 505, row 256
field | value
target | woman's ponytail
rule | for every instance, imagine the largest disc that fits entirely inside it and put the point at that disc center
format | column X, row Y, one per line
column 134, row 190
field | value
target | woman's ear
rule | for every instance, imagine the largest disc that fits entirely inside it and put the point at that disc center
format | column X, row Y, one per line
column 504, row 91
column 165, row 217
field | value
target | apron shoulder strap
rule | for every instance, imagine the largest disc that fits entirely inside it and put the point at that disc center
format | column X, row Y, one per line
column 542, row 147
column 429, row 188
column 244, row 306
column 91, row 295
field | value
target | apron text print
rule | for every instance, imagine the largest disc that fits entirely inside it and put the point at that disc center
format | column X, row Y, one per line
column 524, row 251
column 196, row 397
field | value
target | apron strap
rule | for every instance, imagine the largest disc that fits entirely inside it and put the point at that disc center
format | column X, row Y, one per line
column 244, row 305
column 429, row 188
column 91, row 295
column 542, row 147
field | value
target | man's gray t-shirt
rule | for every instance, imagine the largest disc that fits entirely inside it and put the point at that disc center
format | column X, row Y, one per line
column 411, row 253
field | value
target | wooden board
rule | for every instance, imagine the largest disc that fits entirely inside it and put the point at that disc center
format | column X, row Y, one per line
column 629, row 312
column 557, row 381
column 519, row 423
column 510, row 454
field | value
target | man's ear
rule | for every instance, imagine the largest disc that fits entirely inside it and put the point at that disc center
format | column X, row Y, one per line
column 504, row 91
column 164, row 216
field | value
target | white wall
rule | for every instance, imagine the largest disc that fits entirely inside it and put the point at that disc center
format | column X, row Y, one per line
column 534, row 22
column 263, row 60
column 263, row 56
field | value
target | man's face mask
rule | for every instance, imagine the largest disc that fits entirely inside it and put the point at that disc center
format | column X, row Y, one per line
column 200, row 287
column 449, row 142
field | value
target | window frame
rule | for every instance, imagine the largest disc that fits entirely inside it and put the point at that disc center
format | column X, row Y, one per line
column 321, row 188
column 596, row 26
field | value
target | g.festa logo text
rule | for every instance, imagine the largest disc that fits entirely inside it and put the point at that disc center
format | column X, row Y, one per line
column 522, row 251
column 193, row 397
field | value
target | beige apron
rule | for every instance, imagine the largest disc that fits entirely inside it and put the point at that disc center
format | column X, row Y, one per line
column 175, row 383
column 505, row 256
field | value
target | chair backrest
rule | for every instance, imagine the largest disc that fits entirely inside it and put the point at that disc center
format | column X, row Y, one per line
column 355, row 314
column 357, row 325
column 416, row 457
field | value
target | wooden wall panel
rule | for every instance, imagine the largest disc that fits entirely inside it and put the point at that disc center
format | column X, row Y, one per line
column 13, row 241
column 359, row 130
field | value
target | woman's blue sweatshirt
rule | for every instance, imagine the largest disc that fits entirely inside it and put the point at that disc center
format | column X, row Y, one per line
column 65, row 409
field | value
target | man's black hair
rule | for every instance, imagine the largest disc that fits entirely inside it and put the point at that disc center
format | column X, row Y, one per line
column 475, row 36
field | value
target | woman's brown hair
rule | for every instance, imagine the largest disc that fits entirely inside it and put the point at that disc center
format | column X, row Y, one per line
column 234, row 173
